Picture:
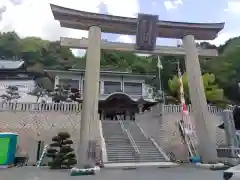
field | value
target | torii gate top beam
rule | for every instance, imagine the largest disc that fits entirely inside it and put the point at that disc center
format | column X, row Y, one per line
column 75, row 19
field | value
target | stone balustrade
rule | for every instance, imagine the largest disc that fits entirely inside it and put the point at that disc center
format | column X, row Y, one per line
column 31, row 107
column 177, row 109
column 72, row 107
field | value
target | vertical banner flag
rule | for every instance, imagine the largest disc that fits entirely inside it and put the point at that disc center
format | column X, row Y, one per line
column 185, row 116
column 159, row 63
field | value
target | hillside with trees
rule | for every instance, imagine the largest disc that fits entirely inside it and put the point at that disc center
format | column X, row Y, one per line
column 221, row 75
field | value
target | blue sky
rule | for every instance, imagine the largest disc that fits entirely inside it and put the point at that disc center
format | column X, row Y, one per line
column 34, row 17
column 192, row 11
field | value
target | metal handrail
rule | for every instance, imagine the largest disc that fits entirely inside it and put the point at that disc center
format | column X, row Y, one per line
column 154, row 143
column 132, row 142
column 188, row 140
column 159, row 149
column 130, row 138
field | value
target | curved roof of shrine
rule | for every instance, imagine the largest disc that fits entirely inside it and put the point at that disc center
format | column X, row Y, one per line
column 76, row 19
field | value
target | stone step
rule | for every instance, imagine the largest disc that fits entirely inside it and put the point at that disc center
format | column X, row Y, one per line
column 120, row 151
column 119, row 148
column 121, row 156
column 146, row 147
column 119, row 144
column 148, row 151
column 127, row 150
column 151, row 158
column 144, row 143
column 152, row 149
column 122, row 161
column 115, row 138
column 150, row 155
column 139, row 138
column 112, row 129
column 114, row 134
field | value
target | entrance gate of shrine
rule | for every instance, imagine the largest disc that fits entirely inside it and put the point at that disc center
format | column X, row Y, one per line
column 147, row 28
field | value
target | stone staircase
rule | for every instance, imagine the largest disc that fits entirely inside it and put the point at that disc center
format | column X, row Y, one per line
column 118, row 144
column 148, row 151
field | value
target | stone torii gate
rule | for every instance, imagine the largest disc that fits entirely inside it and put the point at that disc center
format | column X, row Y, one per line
column 188, row 32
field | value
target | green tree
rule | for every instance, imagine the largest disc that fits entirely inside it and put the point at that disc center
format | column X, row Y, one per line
column 64, row 93
column 61, row 94
column 51, row 55
column 10, row 45
column 214, row 94
column 38, row 92
column 32, row 50
column 226, row 68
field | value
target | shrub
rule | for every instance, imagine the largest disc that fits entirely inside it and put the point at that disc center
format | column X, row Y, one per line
column 61, row 152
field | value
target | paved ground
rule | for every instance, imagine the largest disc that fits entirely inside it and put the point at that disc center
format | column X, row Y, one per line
column 179, row 173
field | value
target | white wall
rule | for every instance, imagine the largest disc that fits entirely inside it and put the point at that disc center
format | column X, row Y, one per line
column 121, row 79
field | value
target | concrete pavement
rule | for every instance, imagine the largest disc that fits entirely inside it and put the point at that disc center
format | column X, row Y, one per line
column 140, row 165
column 179, row 173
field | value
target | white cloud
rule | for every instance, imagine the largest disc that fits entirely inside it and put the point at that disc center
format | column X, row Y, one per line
column 34, row 17
column 233, row 6
column 172, row 4
column 125, row 39
column 225, row 36
column 2, row 10
column 222, row 38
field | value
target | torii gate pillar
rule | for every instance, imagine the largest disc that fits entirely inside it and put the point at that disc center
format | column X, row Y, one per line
column 206, row 137
column 90, row 96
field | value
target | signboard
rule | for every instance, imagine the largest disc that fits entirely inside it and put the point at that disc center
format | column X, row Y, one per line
column 146, row 32
column 4, row 144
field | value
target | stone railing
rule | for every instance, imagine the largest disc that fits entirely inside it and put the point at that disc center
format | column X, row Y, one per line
column 176, row 109
column 73, row 107
column 56, row 107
